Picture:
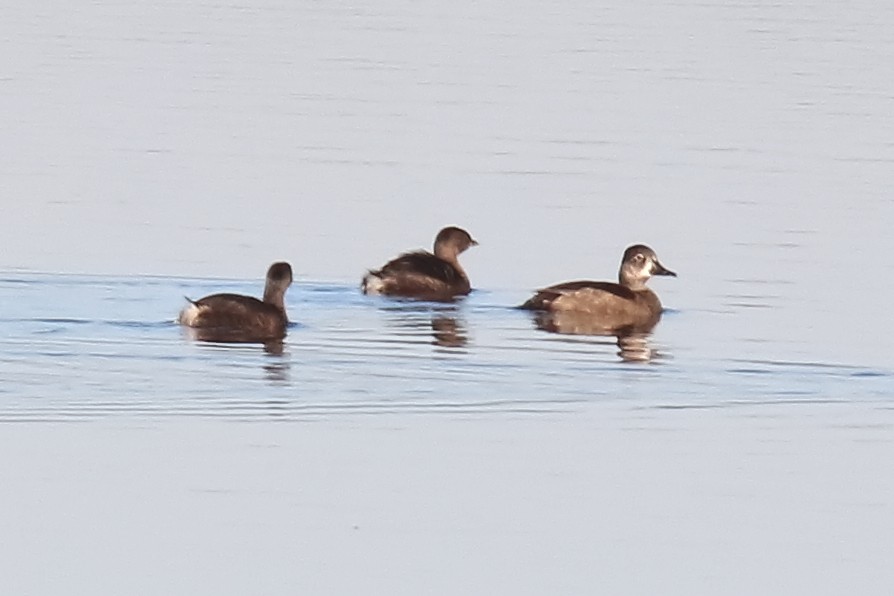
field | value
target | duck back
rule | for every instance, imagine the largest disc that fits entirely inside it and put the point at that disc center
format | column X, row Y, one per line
column 233, row 317
column 587, row 295
column 417, row 275
column 612, row 305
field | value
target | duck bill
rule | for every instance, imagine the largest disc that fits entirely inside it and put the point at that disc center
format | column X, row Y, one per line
column 659, row 269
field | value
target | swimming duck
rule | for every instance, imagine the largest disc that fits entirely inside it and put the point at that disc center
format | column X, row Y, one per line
column 628, row 304
column 423, row 275
column 238, row 318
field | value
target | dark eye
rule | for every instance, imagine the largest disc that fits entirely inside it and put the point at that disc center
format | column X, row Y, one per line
column 638, row 258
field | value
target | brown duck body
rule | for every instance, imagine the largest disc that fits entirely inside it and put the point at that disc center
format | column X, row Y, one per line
column 603, row 306
column 233, row 317
column 422, row 275
column 606, row 306
column 238, row 318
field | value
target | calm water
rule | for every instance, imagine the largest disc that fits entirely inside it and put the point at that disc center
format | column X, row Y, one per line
column 88, row 346
column 156, row 150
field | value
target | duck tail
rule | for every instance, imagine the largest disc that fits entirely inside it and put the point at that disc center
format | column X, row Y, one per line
column 372, row 283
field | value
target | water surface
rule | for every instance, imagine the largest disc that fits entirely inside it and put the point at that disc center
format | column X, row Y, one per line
column 84, row 346
column 155, row 150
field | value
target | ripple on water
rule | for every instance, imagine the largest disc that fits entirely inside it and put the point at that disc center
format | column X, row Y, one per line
column 348, row 354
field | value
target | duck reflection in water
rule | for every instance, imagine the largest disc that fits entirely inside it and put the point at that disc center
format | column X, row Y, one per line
column 276, row 364
column 277, row 367
column 410, row 320
column 448, row 332
column 633, row 342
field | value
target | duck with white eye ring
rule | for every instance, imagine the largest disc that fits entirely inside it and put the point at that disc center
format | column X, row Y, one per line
column 607, row 306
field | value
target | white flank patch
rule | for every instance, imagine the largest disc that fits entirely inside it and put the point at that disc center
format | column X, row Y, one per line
column 189, row 315
column 373, row 284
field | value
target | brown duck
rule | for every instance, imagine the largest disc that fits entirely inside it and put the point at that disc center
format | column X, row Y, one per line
column 423, row 275
column 238, row 318
column 608, row 306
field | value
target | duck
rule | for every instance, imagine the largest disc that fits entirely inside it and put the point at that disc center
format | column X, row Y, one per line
column 609, row 307
column 238, row 318
column 422, row 275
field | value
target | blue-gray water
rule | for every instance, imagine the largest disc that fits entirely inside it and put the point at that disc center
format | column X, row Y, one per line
column 390, row 447
column 156, row 150
column 86, row 346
